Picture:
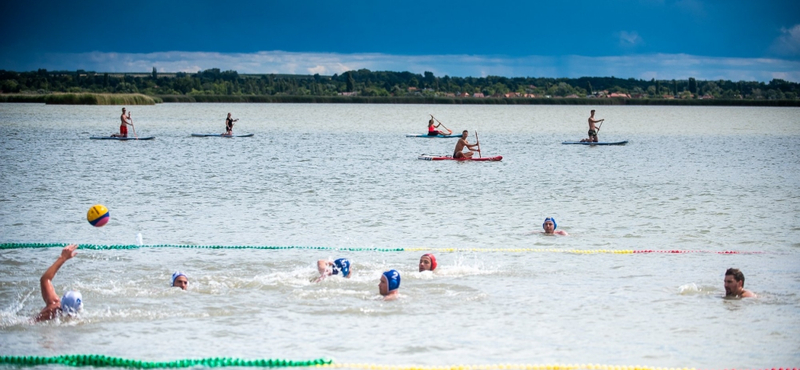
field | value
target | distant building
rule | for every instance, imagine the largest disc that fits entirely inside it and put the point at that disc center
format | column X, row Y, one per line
column 512, row 95
column 412, row 88
column 354, row 93
column 477, row 95
column 619, row 95
column 463, row 95
column 572, row 96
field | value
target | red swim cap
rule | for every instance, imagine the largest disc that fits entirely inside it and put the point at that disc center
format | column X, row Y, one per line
column 433, row 260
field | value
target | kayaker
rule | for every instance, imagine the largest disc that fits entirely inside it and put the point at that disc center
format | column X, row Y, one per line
column 432, row 131
column 69, row 304
column 462, row 142
column 327, row 268
column 427, row 262
column 123, row 125
column 389, row 287
column 734, row 285
column 229, row 125
column 179, row 280
column 550, row 226
column 592, row 129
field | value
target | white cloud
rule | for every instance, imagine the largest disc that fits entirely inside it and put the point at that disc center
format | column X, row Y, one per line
column 629, row 39
column 644, row 66
column 788, row 43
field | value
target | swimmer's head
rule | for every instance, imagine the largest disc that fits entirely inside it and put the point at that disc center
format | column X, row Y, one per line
column 390, row 281
column 71, row 303
column 427, row 262
column 549, row 225
column 343, row 265
column 180, row 280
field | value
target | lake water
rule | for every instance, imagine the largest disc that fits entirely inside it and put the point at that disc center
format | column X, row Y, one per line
column 706, row 179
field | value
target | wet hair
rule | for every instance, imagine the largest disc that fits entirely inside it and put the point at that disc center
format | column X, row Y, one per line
column 737, row 275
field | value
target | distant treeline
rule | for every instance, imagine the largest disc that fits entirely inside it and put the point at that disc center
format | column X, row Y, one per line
column 82, row 99
column 213, row 83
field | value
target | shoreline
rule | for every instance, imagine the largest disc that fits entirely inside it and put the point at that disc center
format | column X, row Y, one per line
column 141, row 99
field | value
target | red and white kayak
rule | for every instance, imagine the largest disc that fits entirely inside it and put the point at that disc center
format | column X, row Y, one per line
column 427, row 157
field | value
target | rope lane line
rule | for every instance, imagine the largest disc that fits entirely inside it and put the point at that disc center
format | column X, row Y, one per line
column 5, row 246
column 110, row 361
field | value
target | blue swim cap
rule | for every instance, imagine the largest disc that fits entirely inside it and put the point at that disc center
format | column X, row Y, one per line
column 343, row 265
column 555, row 225
column 175, row 276
column 71, row 302
column 393, row 278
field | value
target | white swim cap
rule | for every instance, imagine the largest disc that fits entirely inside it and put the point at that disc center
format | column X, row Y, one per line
column 71, row 302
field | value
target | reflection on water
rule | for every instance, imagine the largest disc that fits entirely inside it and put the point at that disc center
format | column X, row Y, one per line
column 691, row 178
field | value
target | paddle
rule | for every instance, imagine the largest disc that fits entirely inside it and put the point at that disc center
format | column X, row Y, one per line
column 478, row 143
column 132, row 126
column 445, row 127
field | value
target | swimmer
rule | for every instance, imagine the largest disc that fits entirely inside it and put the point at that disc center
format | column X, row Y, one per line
column 327, row 268
column 550, row 226
column 734, row 285
column 427, row 262
column 179, row 280
column 389, row 287
column 71, row 303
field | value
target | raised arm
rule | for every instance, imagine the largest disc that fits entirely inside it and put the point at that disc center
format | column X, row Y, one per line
column 46, row 282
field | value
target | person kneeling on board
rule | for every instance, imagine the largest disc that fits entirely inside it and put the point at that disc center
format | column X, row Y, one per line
column 229, row 125
column 179, row 280
column 592, row 129
column 427, row 262
column 389, row 286
column 327, row 268
column 71, row 303
column 734, row 285
column 462, row 142
column 550, row 226
column 123, row 128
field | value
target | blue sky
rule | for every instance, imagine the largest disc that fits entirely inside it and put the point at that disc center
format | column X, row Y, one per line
column 665, row 39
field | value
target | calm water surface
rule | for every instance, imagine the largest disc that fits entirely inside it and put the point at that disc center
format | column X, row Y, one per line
column 692, row 178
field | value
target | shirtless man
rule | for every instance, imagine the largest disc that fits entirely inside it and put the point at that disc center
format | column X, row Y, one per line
column 123, row 128
column 462, row 142
column 592, row 129
column 734, row 285
column 229, row 125
column 71, row 303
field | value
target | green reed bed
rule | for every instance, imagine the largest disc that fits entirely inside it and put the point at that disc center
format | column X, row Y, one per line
column 101, row 99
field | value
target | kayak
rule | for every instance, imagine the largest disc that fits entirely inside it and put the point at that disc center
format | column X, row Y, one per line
column 221, row 135
column 597, row 143
column 121, row 138
column 433, row 137
column 427, row 157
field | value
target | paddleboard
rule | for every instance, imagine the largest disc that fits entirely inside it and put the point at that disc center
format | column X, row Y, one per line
column 427, row 157
column 121, row 138
column 221, row 135
column 433, row 137
column 597, row 143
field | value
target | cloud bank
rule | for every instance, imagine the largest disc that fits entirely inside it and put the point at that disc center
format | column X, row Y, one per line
column 646, row 66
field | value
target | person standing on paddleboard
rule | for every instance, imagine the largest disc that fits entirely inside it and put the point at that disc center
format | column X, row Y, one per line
column 592, row 129
column 462, row 142
column 123, row 128
column 229, row 125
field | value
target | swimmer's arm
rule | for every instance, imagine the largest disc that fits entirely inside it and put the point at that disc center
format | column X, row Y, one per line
column 46, row 281
column 322, row 266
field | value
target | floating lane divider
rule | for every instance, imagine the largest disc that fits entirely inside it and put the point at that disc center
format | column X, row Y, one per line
column 4, row 246
column 108, row 361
